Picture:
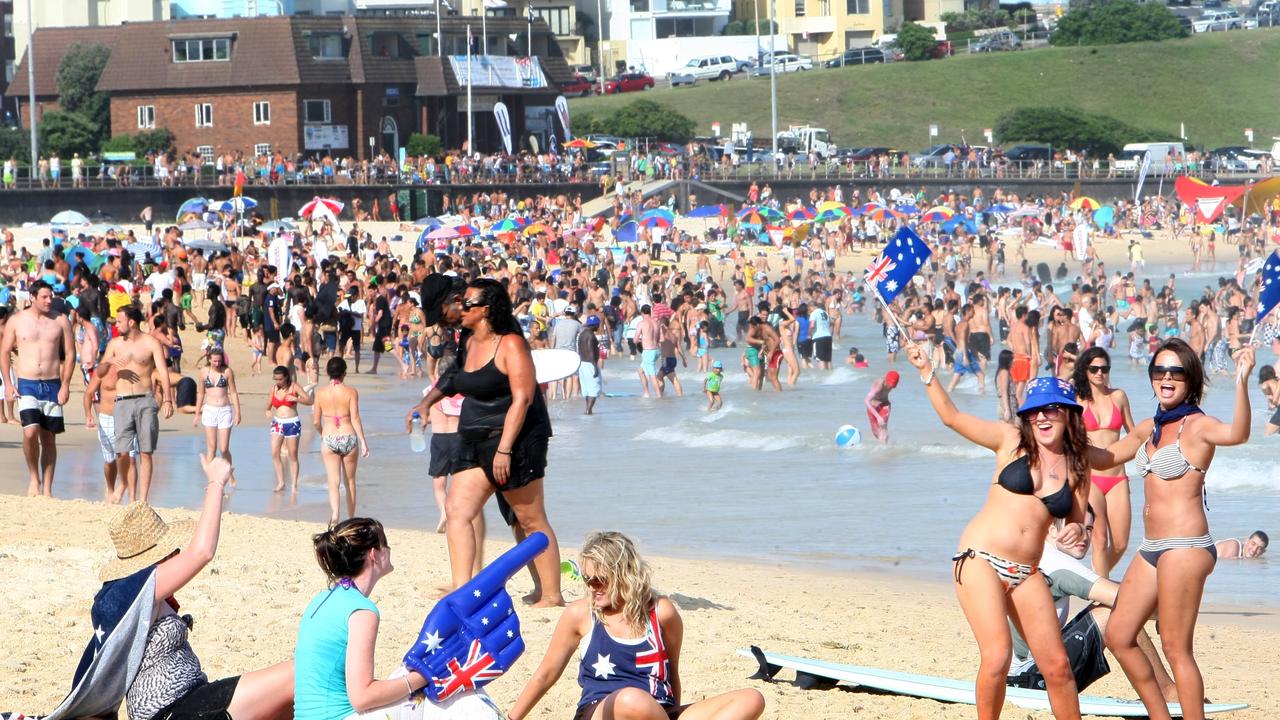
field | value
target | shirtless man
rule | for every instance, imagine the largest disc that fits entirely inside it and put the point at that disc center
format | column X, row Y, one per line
column 43, row 381
column 1024, row 340
column 101, row 391
column 771, row 354
column 979, row 342
column 648, row 335
column 137, row 356
column 1251, row 547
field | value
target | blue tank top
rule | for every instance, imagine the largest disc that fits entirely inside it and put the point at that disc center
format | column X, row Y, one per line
column 802, row 328
column 610, row 664
column 320, row 659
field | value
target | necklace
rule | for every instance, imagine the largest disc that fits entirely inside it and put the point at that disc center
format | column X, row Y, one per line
column 1053, row 473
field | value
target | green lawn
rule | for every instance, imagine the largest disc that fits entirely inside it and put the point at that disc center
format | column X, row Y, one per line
column 1218, row 84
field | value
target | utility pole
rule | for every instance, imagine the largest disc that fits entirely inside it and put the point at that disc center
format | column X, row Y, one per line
column 600, row 42
column 773, row 76
column 439, row 37
column 31, row 90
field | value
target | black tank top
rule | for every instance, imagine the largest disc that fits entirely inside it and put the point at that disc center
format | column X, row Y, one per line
column 488, row 398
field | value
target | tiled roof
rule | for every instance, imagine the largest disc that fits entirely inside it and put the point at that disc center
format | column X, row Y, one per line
column 51, row 45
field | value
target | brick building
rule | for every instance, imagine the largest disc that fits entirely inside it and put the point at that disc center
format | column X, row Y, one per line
column 346, row 85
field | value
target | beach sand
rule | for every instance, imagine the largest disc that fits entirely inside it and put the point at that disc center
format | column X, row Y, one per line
column 246, row 606
column 247, row 603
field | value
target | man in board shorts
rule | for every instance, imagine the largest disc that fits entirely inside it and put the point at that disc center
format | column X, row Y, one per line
column 46, row 360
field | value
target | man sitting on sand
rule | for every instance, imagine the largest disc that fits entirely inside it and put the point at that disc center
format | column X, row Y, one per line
column 1250, row 548
column 1069, row 577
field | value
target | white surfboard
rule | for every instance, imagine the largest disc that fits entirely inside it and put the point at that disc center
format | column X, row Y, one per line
column 957, row 691
column 551, row 364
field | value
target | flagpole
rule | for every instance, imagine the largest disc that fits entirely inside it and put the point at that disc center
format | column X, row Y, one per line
column 470, row 124
column 484, row 28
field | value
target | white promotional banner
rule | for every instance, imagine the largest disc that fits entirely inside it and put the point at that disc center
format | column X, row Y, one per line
column 1142, row 176
column 562, row 112
column 504, row 124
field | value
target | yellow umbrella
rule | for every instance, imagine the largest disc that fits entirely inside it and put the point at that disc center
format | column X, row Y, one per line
column 535, row 229
column 580, row 144
column 1085, row 203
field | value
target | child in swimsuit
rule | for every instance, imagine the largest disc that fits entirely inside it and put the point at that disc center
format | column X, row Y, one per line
column 711, row 386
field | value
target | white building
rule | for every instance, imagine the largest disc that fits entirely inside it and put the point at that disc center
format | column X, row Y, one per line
column 662, row 35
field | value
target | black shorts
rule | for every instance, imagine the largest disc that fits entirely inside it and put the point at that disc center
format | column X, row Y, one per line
column 528, row 457
column 444, row 453
column 980, row 344
column 207, row 702
column 271, row 334
column 668, row 367
column 586, row 712
column 805, row 348
column 822, row 348
column 1083, row 641
column 1275, row 418
column 379, row 344
column 351, row 338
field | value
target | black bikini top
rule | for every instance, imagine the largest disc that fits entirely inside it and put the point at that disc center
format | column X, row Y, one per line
column 1016, row 478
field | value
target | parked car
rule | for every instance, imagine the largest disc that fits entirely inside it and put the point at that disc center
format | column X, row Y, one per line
column 997, row 42
column 1217, row 21
column 628, row 82
column 587, row 71
column 1029, row 154
column 931, row 156
column 1233, row 158
column 864, row 154
column 579, row 86
column 681, row 77
column 783, row 63
column 713, row 67
column 857, row 56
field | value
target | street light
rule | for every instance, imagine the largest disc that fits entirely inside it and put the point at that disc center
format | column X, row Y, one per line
column 773, row 76
column 31, row 87
column 600, row 42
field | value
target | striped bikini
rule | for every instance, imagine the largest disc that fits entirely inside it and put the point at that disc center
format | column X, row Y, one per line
column 1169, row 463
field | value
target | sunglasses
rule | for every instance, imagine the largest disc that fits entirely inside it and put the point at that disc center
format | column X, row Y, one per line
column 468, row 304
column 1175, row 372
column 1099, row 369
column 595, row 582
column 1052, row 412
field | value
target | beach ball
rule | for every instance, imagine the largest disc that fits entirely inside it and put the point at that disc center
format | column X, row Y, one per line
column 848, row 436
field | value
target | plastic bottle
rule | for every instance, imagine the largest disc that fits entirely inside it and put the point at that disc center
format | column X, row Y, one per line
column 417, row 437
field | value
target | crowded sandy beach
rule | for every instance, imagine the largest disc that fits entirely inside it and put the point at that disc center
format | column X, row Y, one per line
column 682, row 281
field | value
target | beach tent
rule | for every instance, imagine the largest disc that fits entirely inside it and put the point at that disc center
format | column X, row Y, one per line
column 1259, row 196
column 1208, row 201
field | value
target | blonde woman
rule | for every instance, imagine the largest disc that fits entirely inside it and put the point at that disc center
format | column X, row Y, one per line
column 630, row 666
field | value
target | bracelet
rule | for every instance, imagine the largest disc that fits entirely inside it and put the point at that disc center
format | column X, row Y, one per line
column 503, row 452
column 929, row 380
column 406, row 684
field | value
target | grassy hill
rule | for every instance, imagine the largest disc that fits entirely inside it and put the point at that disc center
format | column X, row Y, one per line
column 1218, row 84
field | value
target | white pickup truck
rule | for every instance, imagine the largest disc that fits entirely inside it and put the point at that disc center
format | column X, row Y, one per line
column 1217, row 21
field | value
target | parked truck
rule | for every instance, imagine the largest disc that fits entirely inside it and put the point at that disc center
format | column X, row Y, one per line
column 805, row 139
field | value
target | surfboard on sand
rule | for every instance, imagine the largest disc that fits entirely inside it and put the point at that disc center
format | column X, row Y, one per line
column 551, row 364
column 822, row 674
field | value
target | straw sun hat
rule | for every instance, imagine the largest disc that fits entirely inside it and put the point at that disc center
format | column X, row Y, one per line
column 141, row 538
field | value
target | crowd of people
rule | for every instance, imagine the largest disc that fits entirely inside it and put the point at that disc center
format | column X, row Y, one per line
column 466, row 316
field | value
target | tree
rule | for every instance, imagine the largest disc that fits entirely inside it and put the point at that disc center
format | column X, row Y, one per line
column 749, row 27
column 643, row 118
column 159, row 140
column 120, row 143
column 421, row 145
column 1118, row 21
column 78, row 75
column 1070, row 128
column 916, row 41
column 15, row 143
column 65, row 133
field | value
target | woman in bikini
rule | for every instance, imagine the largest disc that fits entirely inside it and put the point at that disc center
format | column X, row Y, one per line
column 1270, row 387
column 1106, row 413
column 286, row 425
column 1042, row 474
column 217, row 406
column 1177, row 552
column 337, row 418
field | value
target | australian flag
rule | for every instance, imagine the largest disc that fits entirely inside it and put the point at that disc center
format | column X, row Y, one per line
column 900, row 260
column 1270, row 286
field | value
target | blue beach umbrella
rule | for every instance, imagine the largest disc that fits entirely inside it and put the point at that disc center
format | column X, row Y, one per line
column 142, row 249
column 626, row 232
column 657, row 217
column 236, row 205
column 709, row 211
column 69, row 217
column 83, row 255
column 1104, row 216
column 195, row 205
column 959, row 221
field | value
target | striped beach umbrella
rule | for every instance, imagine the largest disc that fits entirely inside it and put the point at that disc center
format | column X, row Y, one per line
column 938, row 213
column 1085, row 203
column 506, row 225
column 657, row 217
column 802, row 215
column 879, row 212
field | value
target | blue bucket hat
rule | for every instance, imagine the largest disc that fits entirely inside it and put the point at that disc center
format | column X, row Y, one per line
column 1046, row 390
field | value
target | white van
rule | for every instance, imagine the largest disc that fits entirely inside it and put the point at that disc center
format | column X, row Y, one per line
column 1165, row 157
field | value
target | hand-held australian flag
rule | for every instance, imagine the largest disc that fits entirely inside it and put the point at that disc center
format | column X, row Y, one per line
column 472, row 636
column 1270, row 282
column 900, row 260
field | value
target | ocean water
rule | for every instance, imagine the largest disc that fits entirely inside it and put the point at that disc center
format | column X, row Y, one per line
column 760, row 480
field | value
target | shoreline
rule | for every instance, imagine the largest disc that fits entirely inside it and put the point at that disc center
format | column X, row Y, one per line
column 246, row 606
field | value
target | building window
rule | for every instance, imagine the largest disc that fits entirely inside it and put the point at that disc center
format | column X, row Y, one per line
column 799, row 8
column 146, row 116
column 385, row 45
column 824, row 8
column 262, row 149
column 206, row 153
column 326, row 46
column 857, row 7
column 639, row 6
column 202, row 50
column 8, row 71
column 204, row 114
column 317, row 112
column 262, row 113
column 8, row 25
column 888, row 8
column 559, row 19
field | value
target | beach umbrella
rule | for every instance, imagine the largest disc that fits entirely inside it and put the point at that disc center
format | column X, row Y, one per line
column 938, row 213
column 207, row 246
column 771, row 214
column 802, row 214
column 535, row 229
column 466, row 231
column 579, row 144
column 428, row 222
column 236, row 205
column 657, row 217
column 1026, row 211
column 442, row 233
column 195, row 205
column 709, row 211
column 323, row 207
column 69, row 217
column 142, row 249
column 82, row 255
column 1085, row 203
column 1104, row 217
column 751, row 215
column 276, row 226
column 960, row 221
column 1001, row 209
column 879, row 212
column 626, row 232
column 906, row 209
column 195, row 225
column 506, row 225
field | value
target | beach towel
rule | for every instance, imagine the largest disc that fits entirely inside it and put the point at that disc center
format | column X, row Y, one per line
column 121, row 617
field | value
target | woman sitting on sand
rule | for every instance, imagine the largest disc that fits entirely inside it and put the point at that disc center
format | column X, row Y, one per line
column 630, row 667
column 337, row 419
column 1177, row 552
column 168, row 681
column 1106, row 413
column 1042, row 474
column 337, row 634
